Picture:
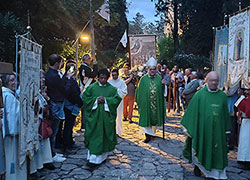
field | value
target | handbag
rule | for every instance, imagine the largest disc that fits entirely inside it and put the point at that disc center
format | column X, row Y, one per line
column 45, row 129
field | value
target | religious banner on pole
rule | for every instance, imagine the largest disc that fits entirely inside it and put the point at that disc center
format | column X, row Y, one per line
column 220, row 53
column 141, row 48
column 30, row 64
column 238, row 49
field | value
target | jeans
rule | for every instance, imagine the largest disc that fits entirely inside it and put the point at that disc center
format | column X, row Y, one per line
column 54, row 126
column 57, row 109
column 68, row 128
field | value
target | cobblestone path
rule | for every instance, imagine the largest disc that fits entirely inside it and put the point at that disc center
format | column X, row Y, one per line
column 132, row 159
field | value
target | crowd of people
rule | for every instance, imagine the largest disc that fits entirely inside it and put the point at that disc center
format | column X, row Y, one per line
column 210, row 115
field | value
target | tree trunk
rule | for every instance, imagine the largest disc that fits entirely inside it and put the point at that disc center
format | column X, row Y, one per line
column 175, row 31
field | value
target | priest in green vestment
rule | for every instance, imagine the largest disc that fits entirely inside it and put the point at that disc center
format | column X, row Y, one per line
column 207, row 121
column 150, row 100
column 100, row 103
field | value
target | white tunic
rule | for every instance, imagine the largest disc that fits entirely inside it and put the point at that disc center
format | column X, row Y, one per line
column 214, row 173
column 43, row 155
column 11, row 137
column 244, row 141
column 121, row 87
column 244, row 137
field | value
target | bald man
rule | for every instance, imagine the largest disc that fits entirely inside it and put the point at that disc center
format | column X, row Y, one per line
column 206, row 122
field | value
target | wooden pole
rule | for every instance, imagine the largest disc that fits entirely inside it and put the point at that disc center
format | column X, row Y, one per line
column 76, row 55
column 28, row 167
column 169, row 95
column 163, row 109
column 174, row 94
column 177, row 97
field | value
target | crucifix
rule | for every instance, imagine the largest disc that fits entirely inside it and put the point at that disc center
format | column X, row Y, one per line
column 5, row 68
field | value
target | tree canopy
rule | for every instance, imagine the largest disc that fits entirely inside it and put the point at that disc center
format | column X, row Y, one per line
column 196, row 19
column 56, row 24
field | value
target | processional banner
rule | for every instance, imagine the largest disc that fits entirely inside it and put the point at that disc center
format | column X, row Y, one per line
column 30, row 64
column 238, row 52
column 142, row 47
column 220, row 53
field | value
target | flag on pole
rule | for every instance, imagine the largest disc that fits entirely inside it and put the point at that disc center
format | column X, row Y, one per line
column 104, row 11
column 124, row 39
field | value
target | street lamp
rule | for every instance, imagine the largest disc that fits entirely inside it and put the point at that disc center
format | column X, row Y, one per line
column 85, row 38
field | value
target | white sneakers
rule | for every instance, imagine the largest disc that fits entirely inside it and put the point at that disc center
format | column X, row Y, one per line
column 58, row 158
column 58, row 154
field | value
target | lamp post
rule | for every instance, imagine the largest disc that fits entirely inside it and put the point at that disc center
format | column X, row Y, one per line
column 76, row 42
column 92, row 46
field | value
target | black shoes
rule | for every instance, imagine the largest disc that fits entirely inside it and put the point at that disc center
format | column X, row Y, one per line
column 37, row 176
column 49, row 166
column 92, row 166
column 197, row 171
column 68, row 151
column 125, row 119
column 74, row 146
column 148, row 138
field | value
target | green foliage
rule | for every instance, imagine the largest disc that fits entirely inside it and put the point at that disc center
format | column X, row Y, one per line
column 111, row 58
column 196, row 19
column 108, row 36
column 165, row 50
column 197, row 62
column 54, row 23
column 65, row 49
column 137, row 25
column 9, row 27
column 121, row 60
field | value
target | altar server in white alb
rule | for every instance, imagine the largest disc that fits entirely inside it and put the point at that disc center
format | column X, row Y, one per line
column 121, row 87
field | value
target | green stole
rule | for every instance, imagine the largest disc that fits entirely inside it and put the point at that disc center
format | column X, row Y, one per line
column 150, row 101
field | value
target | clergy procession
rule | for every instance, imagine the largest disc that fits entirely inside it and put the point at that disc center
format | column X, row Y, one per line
column 131, row 100
column 206, row 118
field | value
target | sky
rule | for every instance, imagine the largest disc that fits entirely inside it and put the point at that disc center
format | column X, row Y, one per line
column 145, row 7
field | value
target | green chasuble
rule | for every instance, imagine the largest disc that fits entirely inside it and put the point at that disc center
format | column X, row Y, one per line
column 207, row 119
column 100, row 133
column 150, row 101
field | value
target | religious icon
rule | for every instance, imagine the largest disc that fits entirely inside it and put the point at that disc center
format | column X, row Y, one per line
column 239, row 45
column 142, row 47
column 222, row 55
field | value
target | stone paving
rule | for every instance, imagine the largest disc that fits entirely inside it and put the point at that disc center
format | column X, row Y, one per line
column 132, row 159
